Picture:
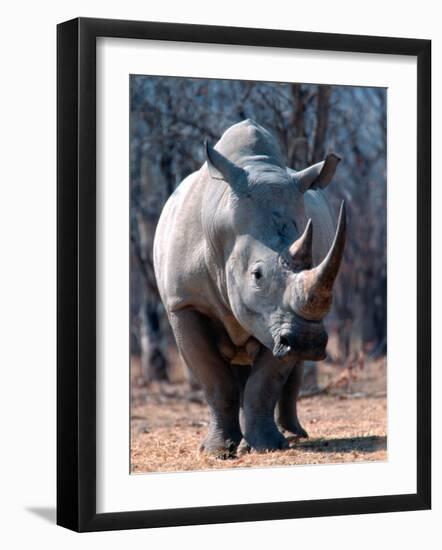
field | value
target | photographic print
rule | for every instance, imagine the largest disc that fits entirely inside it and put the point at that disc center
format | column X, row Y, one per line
column 258, row 274
column 222, row 267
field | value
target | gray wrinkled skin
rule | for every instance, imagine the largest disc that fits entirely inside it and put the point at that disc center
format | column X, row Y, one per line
column 244, row 306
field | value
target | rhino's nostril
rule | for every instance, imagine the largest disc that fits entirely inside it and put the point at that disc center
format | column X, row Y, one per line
column 284, row 341
column 282, row 347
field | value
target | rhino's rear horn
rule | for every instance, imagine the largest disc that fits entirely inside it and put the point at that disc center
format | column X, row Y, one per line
column 301, row 250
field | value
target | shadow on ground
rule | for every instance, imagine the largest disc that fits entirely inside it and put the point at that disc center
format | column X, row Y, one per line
column 368, row 444
column 46, row 513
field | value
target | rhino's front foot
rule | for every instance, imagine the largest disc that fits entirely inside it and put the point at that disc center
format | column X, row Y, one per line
column 221, row 444
column 224, row 434
column 264, row 436
column 293, row 426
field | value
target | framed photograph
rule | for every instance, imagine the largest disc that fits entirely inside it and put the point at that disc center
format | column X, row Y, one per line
column 243, row 274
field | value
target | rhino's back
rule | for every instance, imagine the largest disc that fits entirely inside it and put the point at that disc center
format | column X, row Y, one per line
column 179, row 248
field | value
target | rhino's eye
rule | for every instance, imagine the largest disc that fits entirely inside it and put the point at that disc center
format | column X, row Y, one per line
column 257, row 274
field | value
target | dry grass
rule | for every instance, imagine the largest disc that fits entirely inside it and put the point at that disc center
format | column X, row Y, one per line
column 346, row 423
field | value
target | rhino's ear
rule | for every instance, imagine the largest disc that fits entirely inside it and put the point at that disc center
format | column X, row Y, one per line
column 317, row 176
column 221, row 168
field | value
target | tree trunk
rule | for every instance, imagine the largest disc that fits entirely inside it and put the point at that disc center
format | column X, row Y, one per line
column 152, row 334
column 298, row 148
column 322, row 115
column 153, row 357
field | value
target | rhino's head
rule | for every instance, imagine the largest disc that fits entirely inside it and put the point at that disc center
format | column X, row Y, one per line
column 275, row 291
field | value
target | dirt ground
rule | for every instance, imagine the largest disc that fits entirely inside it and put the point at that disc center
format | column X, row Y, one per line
column 346, row 421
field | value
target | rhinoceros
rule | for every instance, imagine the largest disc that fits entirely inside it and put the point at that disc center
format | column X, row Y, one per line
column 245, row 256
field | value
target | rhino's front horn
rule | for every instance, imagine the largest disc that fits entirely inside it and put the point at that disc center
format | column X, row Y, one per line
column 301, row 250
column 329, row 267
column 313, row 287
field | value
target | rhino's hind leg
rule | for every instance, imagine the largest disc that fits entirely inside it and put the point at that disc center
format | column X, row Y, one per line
column 197, row 345
column 287, row 407
column 261, row 393
column 242, row 373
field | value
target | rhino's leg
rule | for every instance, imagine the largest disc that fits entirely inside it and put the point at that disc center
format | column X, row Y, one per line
column 196, row 343
column 287, row 407
column 261, row 393
column 242, row 373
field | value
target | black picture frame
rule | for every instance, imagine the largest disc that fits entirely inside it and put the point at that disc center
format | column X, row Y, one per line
column 77, row 287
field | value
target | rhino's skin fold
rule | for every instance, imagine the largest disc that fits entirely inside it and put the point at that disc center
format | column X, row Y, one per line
column 245, row 255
